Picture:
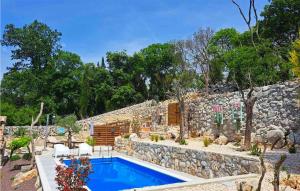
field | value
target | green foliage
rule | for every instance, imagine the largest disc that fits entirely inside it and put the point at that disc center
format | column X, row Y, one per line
column 27, row 156
column 69, row 122
column 15, row 158
column 292, row 149
column 183, row 142
column 91, row 141
column 295, row 57
column 207, row 141
column 20, row 132
column 18, row 143
column 281, row 21
column 126, row 136
column 161, row 138
column 255, row 150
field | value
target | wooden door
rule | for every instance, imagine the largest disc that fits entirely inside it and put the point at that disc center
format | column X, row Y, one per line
column 173, row 114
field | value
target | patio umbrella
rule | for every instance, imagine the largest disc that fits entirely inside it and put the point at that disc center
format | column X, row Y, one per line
column 91, row 128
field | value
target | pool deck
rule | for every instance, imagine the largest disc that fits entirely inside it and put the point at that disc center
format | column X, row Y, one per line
column 46, row 164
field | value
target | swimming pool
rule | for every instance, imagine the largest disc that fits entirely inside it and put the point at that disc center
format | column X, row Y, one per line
column 112, row 174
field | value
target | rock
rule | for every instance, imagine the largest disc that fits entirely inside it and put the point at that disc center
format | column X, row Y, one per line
column 222, row 140
column 24, row 177
column 274, row 135
column 40, row 189
column 26, row 168
column 133, row 136
column 37, row 183
column 243, row 186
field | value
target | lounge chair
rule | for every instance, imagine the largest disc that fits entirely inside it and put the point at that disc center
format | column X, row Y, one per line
column 53, row 141
column 61, row 150
column 85, row 149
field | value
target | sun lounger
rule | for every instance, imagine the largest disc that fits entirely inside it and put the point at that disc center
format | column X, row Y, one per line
column 85, row 149
column 53, row 141
column 61, row 150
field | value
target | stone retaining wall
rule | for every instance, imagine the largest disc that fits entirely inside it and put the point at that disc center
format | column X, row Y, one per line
column 277, row 107
column 195, row 162
column 41, row 130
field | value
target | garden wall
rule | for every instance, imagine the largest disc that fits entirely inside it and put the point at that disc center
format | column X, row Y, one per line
column 41, row 130
column 277, row 107
column 196, row 162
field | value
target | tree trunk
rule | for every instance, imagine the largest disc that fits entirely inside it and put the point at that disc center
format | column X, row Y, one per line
column 206, row 83
column 181, row 110
column 277, row 172
column 69, row 139
column 249, row 103
column 263, row 168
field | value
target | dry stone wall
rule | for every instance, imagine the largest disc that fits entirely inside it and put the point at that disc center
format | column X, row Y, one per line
column 196, row 162
column 277, row 105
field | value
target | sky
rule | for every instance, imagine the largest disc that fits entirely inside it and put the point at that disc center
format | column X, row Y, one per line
column 90, row 28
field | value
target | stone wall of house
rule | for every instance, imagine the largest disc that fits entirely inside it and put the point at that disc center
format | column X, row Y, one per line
column 195, row 162
column 277, row 106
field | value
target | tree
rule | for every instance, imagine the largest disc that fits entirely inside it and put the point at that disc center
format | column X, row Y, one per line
column 158, row 60
column 281, row 22
column 182, row 82
column 239, row 71
column 103, row 63
column 295, row 57
column 33, row 45
column 69, row 122
column 199, row 53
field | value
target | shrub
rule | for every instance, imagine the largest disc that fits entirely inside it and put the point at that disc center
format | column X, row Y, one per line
column 255, row 150
column 20, row 132
column 15, row 157
column 183, row 142
column 27, row 156
column 152, row 137
column 207, row 141
column 292, row 149
column 19, row 143
column 156, row 137
column 161, row 138
column 126, row 136
column 73, row 177
column 91, row 141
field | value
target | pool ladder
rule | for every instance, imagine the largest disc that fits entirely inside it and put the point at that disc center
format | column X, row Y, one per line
column 106, row 150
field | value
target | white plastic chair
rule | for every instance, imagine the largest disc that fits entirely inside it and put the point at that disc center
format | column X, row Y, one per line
column 85, row 149
column 61, row 150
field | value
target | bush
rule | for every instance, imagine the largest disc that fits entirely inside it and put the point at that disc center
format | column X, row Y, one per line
column 292, row 149
column 152, row 137
column 91, row 141
column 183, row 142
column 27, row 156
column 255, row 150
column 20, row 132
column 207, row 141
column 75, row 176
column 19, row 143
column 161, row 138
column 15, row 157
column 126, row 136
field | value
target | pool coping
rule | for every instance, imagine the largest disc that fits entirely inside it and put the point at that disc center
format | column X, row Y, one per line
column 189, row 179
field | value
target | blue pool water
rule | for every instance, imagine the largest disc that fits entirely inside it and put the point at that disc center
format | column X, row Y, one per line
column 119, row 174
